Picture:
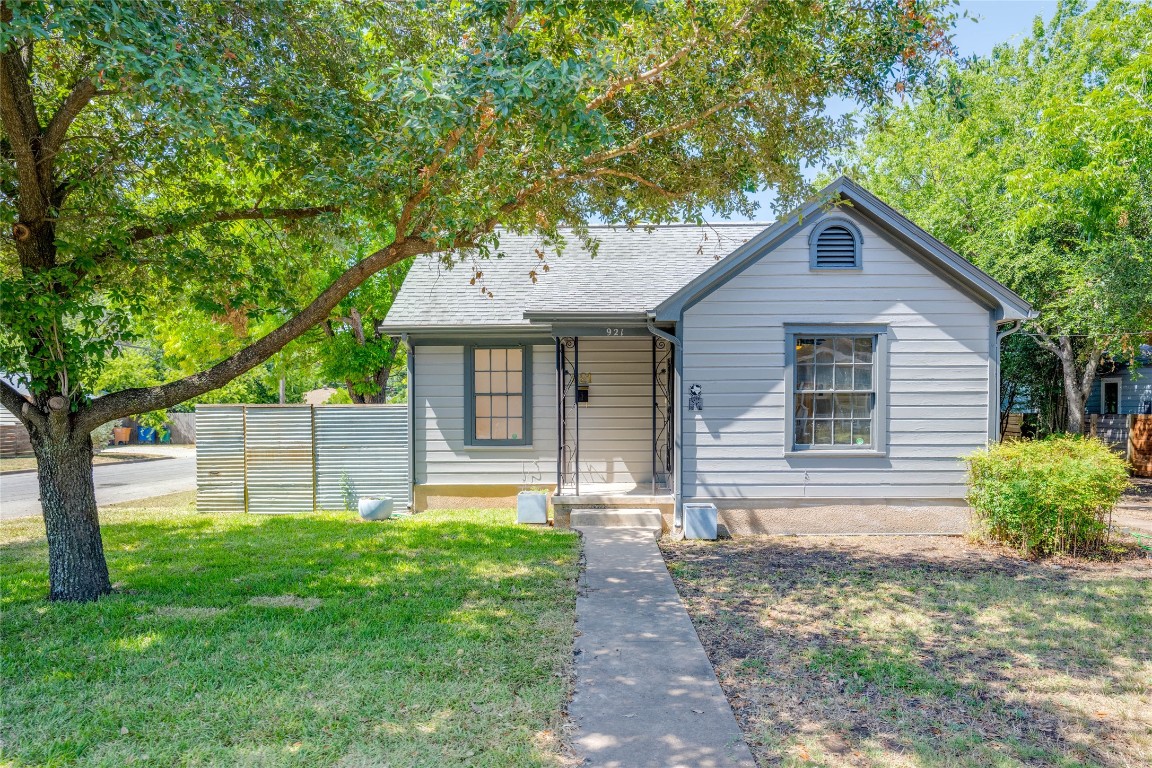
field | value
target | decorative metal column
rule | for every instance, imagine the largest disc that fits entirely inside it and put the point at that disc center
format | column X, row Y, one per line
column 568, row 416
column 663, row 410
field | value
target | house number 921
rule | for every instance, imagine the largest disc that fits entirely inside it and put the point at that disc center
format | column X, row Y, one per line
column 613, row 331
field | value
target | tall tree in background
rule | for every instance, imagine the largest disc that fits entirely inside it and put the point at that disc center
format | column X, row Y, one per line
column 1035, row 163
column 160, row 145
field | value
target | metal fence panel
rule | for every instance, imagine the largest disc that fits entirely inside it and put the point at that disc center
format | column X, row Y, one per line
column 361, row 450
column 220, row 458
column 278, row 445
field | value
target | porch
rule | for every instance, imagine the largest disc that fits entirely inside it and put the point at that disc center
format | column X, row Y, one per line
column 614, row 420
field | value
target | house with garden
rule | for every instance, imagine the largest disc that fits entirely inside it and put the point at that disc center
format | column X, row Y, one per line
column 827, row 373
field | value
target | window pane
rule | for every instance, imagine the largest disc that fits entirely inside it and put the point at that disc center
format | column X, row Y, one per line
column 499, row 359
column 516, row 359
column 803, row 406
column 515, row 427
column 842, row 405
column 514, row 382
column 804, row 432
column 863, row 378
column 823, row 350
column 861, row 406
column 499, row 429
column 483, row 429
column 804, row 374
column 822, row 432
column 863, row 349
column 823, row 377
column 499, row 406
column 843, row 377
column 515, row 406
column 862, row 432
column 823, row 404
column 842, row 432
column 804, row 351
column 483, row 359
column 842, row 349
column 498, row 379
column 483, row 382
column 483, row 407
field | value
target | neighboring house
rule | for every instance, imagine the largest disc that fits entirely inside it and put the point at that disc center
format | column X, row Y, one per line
column 1124, row 387
column 14, row 439
column 840, row 360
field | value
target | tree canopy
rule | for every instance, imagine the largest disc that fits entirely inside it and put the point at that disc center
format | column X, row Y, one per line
column 1036, row 164
column 210, row 151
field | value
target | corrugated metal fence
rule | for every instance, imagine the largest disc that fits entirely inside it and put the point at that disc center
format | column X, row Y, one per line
column 278, row 459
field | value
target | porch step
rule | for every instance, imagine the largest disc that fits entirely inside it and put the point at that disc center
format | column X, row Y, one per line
column 618, row 517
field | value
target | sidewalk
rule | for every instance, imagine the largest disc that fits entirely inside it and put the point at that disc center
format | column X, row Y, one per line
column 646, row 694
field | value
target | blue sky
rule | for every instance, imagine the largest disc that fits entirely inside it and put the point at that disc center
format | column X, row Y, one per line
column 989, row 22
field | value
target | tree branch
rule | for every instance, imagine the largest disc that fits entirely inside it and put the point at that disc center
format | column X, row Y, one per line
column 127, row 402
column 81, row 94
column 647, row 75
column 196, row 220
column 14, row 401
column 18, row 115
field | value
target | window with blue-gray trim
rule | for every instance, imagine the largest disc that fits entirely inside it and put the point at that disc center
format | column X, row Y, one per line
column 498, row 394
column 836, row 392
column 835, row 243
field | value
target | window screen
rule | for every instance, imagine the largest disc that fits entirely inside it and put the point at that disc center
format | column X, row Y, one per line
column 498, row 394
column 835, row 393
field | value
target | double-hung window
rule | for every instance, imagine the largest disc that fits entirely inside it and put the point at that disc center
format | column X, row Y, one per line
column 835, row 391
column 498, row 395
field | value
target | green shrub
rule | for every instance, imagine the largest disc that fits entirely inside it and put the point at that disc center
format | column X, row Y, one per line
column 1046, row 496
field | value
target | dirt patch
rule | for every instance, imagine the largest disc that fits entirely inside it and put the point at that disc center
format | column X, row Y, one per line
column 186, row 612
column 870, row 651
column 286, row 601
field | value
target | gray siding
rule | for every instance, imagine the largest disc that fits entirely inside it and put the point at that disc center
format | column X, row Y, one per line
column 442, row 458
column 938, row 373
column 616, row 423
column 1133, row 390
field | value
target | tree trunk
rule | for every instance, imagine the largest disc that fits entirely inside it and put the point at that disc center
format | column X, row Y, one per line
column 77, row 570
column 1077, row 383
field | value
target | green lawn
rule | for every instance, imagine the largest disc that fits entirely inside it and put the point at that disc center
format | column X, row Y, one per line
column 924, row 652
column 312, row 640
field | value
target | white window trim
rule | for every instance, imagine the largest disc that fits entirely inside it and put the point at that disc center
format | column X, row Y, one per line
column 879, row 445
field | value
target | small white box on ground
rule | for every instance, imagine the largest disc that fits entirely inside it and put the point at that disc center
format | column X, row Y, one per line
column 700, row 521
column 532, row 507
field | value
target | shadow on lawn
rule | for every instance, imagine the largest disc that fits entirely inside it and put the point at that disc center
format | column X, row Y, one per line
column 304, row 638
column 858, row 655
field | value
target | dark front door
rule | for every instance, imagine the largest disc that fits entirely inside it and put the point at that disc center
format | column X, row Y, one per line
column 1111, row 397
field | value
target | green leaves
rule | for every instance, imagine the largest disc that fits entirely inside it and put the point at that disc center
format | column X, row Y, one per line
column 1035, row 164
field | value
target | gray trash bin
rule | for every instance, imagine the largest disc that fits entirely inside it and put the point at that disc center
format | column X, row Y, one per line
column 700, row 521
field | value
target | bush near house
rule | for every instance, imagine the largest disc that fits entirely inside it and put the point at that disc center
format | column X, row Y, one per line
column 1046, row 496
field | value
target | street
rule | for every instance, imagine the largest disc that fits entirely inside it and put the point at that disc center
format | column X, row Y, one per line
column 20, row 496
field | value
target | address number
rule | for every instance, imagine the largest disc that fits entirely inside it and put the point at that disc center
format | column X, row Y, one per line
column 613, row 331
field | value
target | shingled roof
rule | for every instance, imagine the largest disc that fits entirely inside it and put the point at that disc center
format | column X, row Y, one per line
column 634, row 271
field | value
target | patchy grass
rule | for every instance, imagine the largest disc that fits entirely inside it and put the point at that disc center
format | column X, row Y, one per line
column 909, row 651
column 311, row 640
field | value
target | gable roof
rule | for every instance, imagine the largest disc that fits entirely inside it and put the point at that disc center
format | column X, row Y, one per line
column 634, row 271
column 656, row 271
column 929, row 251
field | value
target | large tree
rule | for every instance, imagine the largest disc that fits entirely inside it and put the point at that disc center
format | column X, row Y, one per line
column 1036, row 164
column 206, row 146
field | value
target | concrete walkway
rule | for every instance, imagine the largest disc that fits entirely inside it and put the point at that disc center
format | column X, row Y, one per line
column 646, row 694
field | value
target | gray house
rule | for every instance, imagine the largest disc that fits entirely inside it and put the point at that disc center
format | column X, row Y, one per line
column 823, row 374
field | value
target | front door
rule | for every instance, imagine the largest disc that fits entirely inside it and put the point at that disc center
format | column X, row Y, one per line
column 1111, row 397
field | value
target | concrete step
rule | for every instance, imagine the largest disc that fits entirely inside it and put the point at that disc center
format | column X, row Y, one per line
column 618, row 517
